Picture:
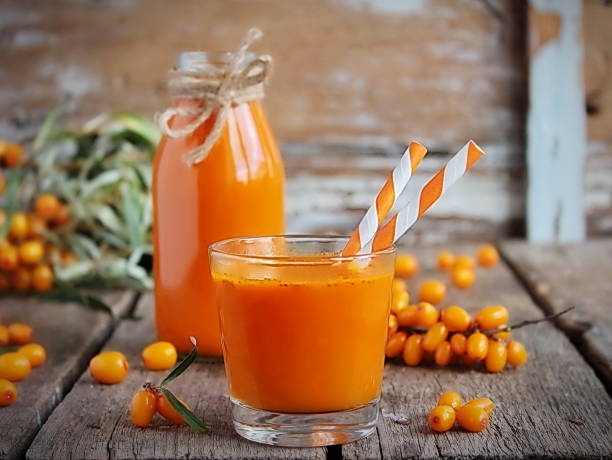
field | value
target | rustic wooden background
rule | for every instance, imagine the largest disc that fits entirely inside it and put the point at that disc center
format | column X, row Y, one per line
column 353, row 80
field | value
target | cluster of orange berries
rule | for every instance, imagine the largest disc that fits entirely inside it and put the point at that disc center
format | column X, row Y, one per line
column 17, row 365
column 26, row 257
column 472, row 416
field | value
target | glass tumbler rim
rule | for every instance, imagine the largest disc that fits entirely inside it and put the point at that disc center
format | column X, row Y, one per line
column 314, row 259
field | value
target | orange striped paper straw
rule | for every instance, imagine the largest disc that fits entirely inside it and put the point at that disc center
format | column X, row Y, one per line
column 386, row 198
column 430, row 193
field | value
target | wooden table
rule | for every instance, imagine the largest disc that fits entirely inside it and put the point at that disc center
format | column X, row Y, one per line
column 555, row 406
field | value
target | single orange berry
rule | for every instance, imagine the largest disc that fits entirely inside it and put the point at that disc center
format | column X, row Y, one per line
column 35, row 353
column 446, row 260
column 9, row 257
column 393, row 325
column 487, row 255
column 399, row 301
column 426, row 315
column 407, row 316
column 492, row 317
column 168, row 411
column 432, row 291
column 47, row 206
column 406, row 265
column 395, row 344
column 8, row 393
column 21, row 279
column 444, row 354
column 13, row 155
column 464, row 261
column 109, row 367
column 14, row 366
column 398, row 284
column 516, row 353
column 143, row 407
column 456, row 318
column 477, row 346
column 413, row 350
column 42, row 278
column 484, row 403
column 472, row 418
column 5, row 282
column 31, row 252
column 496, row 357
column 434, row 336
column 20, row 333
column 62, row 217
column 36, row 226
column 19, row 226
column 463, row 277
column 159, row 356
column 441, row 418
column 68, row 257
column 4, row 335
column 458, row 344
column 450, row 398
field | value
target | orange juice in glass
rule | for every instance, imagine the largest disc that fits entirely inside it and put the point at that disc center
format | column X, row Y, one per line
column 303, row 332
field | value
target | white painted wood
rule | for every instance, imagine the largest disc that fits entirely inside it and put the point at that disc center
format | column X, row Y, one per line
column 556, row 128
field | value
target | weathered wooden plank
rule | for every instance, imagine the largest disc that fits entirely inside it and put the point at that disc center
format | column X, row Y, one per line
column 534, row 403
column 579, row 275
column 70, row 334
column 556, row 125
column 93, row 420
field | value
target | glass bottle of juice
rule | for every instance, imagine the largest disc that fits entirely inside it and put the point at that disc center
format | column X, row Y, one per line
column 233, row 188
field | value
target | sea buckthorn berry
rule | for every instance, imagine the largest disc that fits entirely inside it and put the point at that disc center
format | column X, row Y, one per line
column 35, row 353
column 4, row 336
column 477, row 346
column 413, row 350
column 5, row 282
column 487, row 255
column 395, row 344
column 398, row 285
column 463, row 277
column 492, row 317
column 516, row 353
column 109, row 367
column 20, row 333
column 496, row 357
column 14, row 366
column 399, row 301
column 456, row 318
column 407, row 316
column 31, row 252
column 13, row 155
column 63, row 217
column 441, row 418
column 406, row 265
column 159, row 356
column 8, row 393
column 21, row 279
column 42, row 278
column 464, row 261
column 444, row 354
column 392, row 325
column 458, row 344
column 472, row 418
column 143, row 407
column 484, row 403
column 445, row 260
column 36, row 226
column 503, row 335
column 168, row 412
column 426, row 315
column 450, row 398
column 47, row 206
column 19, row 226
column 432, row 291
column 9, row 257
column 68, row 257
column 434, row 336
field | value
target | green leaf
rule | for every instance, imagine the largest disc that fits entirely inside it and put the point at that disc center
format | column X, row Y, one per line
column 190, row 418
column 46, row 128
column 182, row 366
column 12, row 198
column 65, row 292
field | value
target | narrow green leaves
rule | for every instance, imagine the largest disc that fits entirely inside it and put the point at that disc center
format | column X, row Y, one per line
column 183, row 365
column 190, row 418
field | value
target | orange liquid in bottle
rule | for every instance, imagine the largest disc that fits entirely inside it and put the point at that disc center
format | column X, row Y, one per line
column 236, row 191
column 306, row 346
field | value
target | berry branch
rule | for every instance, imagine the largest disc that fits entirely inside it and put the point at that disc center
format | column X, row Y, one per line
column 527, row 322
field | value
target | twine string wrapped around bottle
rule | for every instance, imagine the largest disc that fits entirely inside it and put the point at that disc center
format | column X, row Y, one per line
column 218, row 88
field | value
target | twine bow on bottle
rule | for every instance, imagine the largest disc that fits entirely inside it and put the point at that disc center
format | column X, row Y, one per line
column 218, row 88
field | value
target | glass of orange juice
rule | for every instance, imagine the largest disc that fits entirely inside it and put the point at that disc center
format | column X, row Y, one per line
column 303, row 335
